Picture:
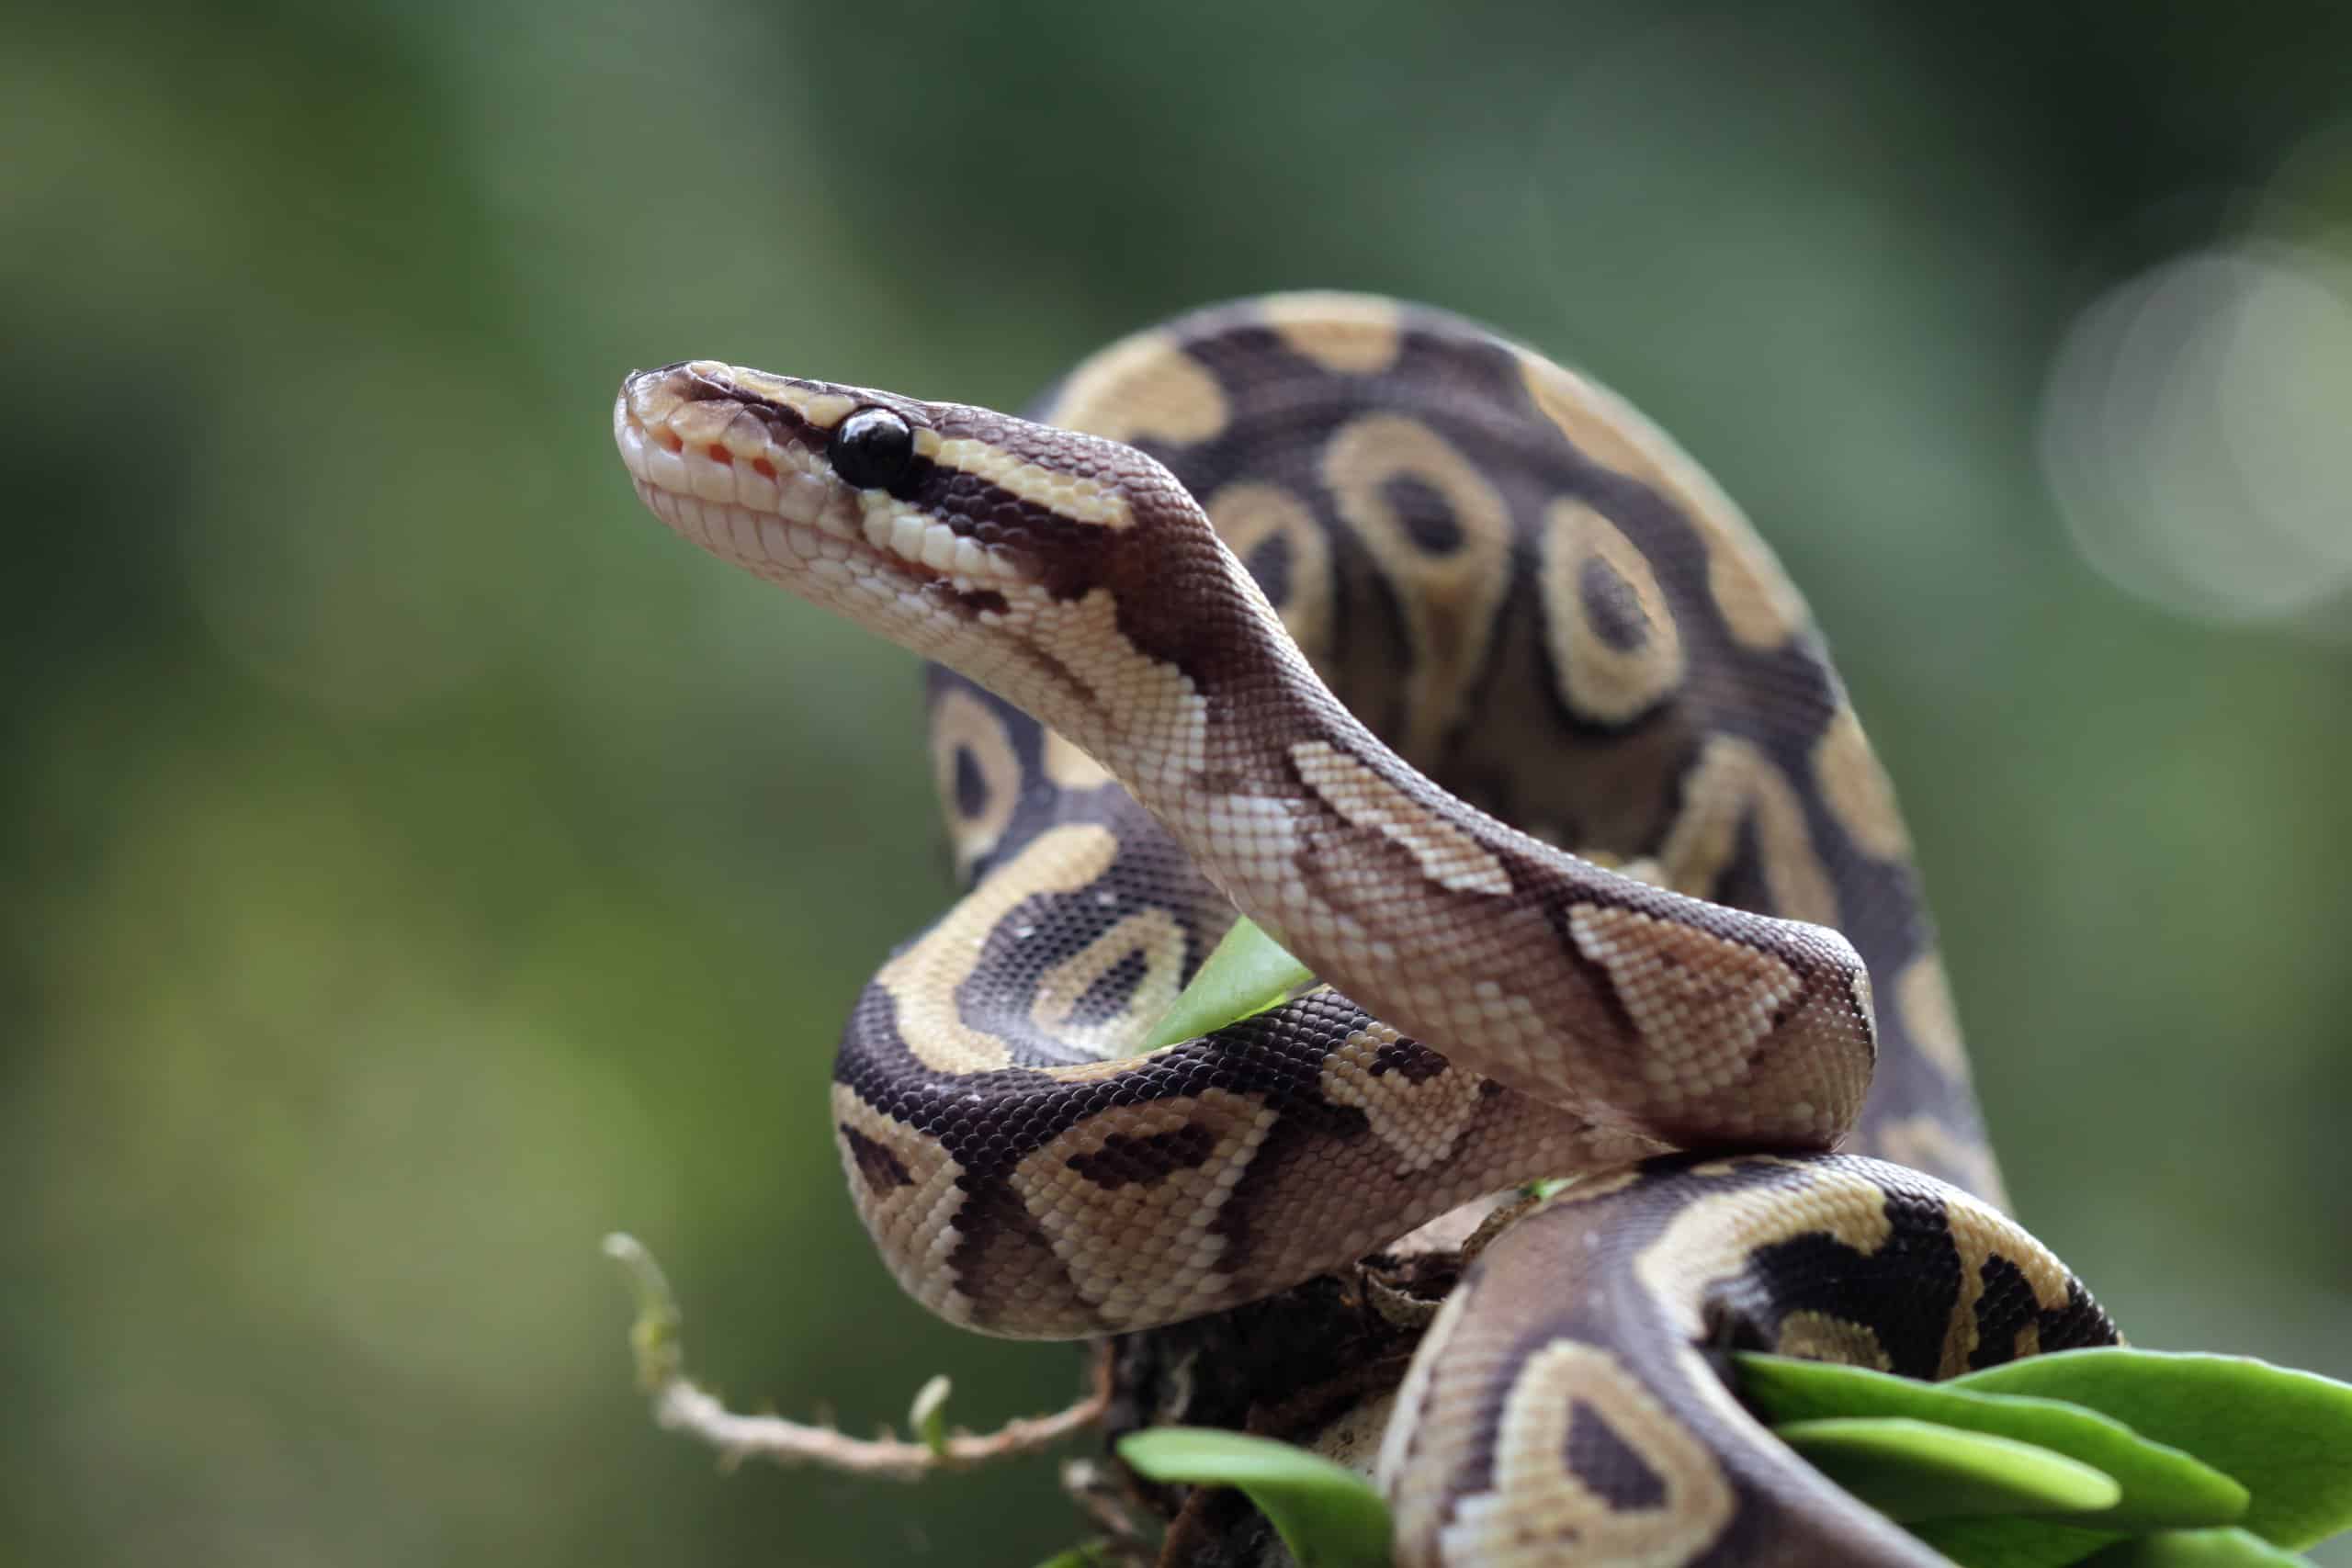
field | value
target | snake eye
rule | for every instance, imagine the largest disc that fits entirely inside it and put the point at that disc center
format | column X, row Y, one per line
column 872, row 449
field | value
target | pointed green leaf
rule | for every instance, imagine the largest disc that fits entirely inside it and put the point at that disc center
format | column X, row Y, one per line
column 2286, row 1435
column 928, row 1414
column 1329, row 1516
column 1916, row 1470
column 1247, row 972
column 2163, row 1488
column 2196, row 1549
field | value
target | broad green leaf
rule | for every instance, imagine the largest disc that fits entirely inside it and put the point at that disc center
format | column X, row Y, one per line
column 2286, row 1435
column 2196, row 1549
column 1329, row 1517
column 1916, row 1470
column 2163, row 1488
column 2015, row 1542
column 1247, row 972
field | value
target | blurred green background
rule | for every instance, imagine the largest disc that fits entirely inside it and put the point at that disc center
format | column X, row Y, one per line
column 422, row 864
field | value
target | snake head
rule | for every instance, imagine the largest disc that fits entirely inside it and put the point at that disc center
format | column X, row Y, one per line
column 796, row 479
column 1002, row 547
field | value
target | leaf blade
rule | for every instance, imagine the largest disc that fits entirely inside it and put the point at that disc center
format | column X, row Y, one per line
column 1917, row 1470
column 2163, row 1488
column 2196, row 1549
column 1329, row 1516
column 2285, row 1436
column 1245, row 974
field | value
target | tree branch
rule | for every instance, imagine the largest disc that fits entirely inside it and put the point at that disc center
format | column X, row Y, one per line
column 682, row 1406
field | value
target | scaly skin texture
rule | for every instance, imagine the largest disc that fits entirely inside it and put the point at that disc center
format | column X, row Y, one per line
column 1476, row 588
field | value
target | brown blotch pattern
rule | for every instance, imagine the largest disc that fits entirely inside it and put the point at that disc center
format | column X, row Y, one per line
column 1449, row 598
column 1758, row 601
column 1615, row 649
column 1733, row 784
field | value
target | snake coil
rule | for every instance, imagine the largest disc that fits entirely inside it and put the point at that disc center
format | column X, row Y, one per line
column 1350, row 615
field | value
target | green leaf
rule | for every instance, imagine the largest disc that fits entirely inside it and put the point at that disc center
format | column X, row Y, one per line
column 1086, row 1554
column 1917, row 1470
column 2014, row 1542
column 2196, row 1549
column 1329, row 1516
column 928, row 1414
column 2162, row 1487
column 2286, row 1435
column 1247, row 973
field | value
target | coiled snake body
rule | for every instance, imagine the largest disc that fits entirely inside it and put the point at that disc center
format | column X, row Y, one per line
column 1526, row 607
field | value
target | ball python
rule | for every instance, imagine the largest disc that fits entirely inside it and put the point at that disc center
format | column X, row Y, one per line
column 1357, row 618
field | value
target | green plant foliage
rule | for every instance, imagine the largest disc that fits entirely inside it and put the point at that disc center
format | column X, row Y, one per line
column 928, row 1414
column 1087, row 1554
column 2163, row 1488
column 2015, row 1542
column 2284, row 1435
column 2196, row 1549
column 1917, row 1470
column 1247, row 972
column 1329, row 1516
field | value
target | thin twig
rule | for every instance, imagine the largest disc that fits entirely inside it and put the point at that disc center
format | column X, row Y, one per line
column 680, row 1404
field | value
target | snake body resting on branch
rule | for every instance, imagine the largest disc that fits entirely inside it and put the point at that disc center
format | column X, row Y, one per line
column 1294, row 606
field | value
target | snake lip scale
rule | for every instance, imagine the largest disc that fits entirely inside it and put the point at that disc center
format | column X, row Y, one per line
column 1347, row 615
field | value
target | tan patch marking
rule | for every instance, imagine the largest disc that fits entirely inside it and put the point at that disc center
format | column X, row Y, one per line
column 1143, row 388
column 1732, row 779
column 1924, row 1144
column 1419, row 1122
column 1091, row 1072
column 1541, row 1512
column 1641, row 868
column 1923, row 999
column 1070, row 768
column 823, row 410
column 1141, row 1250
column 1152, row 933
column 1449, row 599
column 961, row 722
column 1980, row 1232
column 1758, row 603
column 1598, row 679
column 1587, row 1188
column 1856, row 788
column 1250, row 514
column 1737, row 1163
column 922, row 980
column 1448, row 856
column 1818, row 1336
column 1064, row 494
column 1700, row 1002
column 1163, row 733
column 1354, row 334
column 1710, row 1239
column 912, row 1223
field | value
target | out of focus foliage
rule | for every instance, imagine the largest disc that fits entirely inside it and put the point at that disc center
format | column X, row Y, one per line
column 421, row 864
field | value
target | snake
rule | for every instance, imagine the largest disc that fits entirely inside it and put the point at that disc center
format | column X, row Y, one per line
column 1455, row 674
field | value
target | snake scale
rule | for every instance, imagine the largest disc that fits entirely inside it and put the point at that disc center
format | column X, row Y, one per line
column 1356, row 617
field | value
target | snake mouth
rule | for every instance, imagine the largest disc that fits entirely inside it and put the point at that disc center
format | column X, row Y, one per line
column 736, row 462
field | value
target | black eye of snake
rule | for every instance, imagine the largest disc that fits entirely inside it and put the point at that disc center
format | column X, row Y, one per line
column 872, row 449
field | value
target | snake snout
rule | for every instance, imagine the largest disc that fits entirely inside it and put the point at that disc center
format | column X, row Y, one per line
column 732, row 469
